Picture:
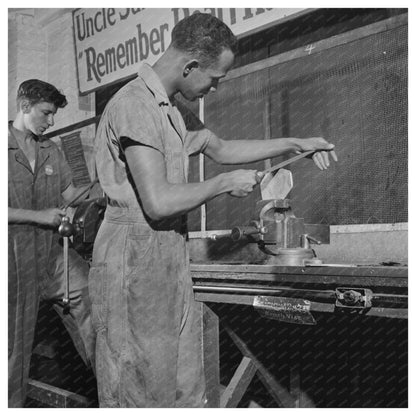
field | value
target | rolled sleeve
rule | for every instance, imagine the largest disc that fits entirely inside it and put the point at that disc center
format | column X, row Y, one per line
column 197, row 141
column 137, row 122
column 197, row 135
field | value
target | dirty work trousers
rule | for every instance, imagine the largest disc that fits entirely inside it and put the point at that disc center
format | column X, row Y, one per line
column 148, row 351
column 27, row 286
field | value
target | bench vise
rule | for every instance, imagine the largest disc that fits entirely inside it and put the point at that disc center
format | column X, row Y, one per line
column 286, row 238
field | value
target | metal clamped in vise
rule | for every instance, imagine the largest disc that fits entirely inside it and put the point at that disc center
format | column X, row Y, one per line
column 283, row 236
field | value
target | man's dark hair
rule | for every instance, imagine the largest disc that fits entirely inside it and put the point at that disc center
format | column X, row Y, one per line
column 36, row 91
column 203, row 36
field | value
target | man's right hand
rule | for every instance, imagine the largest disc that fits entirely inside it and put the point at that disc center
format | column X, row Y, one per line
column 51, row 216
column 239, row 183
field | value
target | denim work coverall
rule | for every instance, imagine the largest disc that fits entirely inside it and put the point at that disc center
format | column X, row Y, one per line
column 36, row 264
column 147, row 321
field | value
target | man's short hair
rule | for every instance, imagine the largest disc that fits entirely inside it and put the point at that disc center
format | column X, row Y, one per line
column 203, row 36
column 36, row 91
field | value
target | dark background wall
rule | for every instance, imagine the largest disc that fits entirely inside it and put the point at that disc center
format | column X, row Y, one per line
column 354, row 94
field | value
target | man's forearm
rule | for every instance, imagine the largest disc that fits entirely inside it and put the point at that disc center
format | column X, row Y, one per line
column 162, row 198
column 50, row 217
column 22, row 216
column 247, row 151
column 172, row 199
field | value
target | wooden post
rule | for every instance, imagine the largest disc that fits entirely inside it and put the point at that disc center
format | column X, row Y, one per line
column 239, row 383
column 211, row 355
column 276, row 390
column 267, row 127
column 202, row 169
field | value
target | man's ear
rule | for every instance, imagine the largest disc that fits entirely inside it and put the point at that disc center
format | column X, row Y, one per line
column 25, row 106
column 189, row 67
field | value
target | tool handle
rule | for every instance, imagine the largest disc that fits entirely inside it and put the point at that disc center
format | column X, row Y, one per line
column 238, row 233
column 65, row 299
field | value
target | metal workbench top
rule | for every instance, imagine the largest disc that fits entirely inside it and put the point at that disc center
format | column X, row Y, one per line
column 380, row 290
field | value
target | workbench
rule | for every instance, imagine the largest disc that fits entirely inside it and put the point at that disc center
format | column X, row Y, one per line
column 299, row 301
column 292, row 327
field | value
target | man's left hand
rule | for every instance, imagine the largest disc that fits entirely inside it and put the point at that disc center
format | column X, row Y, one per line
column 322, row 147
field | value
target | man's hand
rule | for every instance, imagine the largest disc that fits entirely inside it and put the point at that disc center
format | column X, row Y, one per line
column 240, row 183
column 322, row 147
column 51, row 216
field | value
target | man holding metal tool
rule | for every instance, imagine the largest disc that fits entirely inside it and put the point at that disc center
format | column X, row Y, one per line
column 40, row 180
column 147, row 322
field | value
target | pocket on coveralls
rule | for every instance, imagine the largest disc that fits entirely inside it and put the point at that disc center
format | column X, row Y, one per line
column 138, row 253
column 98, row 292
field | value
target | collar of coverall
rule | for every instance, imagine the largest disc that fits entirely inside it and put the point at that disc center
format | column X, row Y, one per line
column 13, row 142
column 154, row 84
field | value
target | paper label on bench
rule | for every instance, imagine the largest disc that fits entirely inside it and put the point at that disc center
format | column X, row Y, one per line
column 291, row 310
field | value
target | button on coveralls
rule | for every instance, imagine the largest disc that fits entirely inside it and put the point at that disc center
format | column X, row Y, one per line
column 36, row 264
column 148, row 330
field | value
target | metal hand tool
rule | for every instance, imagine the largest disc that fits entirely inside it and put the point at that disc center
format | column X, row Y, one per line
column 261, row 174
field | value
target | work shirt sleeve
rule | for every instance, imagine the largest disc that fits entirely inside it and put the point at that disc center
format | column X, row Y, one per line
column 197, row 141
column 197, row 135
column 138, row 121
